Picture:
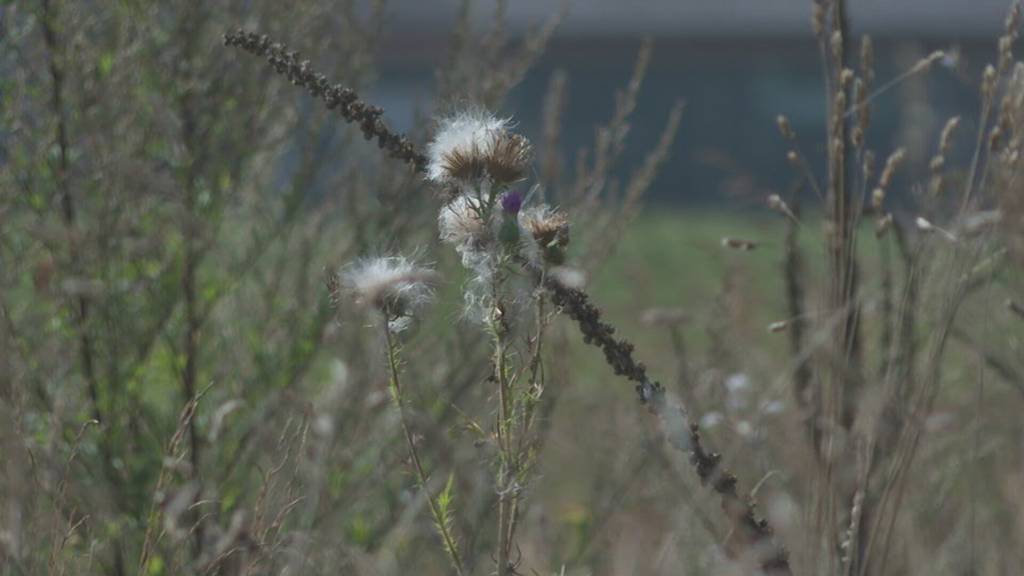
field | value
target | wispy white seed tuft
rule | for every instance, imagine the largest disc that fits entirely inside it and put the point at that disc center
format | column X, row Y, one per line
column 549, row 228
column 466, row 132
column 461, row 222
column 473, row 144
column 395, row 286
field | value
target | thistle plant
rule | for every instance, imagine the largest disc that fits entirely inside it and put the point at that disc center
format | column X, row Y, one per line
column 175, row 398
column 395, row 289
column 478, row 163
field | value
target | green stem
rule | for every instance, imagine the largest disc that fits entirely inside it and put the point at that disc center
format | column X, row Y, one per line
column 506, row 467
column 504, row 448
column 396, row 395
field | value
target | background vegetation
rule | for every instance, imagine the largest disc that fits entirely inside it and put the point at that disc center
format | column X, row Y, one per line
column 179, row 394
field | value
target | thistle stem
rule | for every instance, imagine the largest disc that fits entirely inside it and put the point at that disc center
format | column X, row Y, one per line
column 505, row 465
column 396, row 395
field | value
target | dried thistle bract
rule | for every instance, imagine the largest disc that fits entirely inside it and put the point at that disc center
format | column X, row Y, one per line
column 472, row 145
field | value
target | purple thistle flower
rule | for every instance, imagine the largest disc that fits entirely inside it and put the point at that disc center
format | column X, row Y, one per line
column 511, row 202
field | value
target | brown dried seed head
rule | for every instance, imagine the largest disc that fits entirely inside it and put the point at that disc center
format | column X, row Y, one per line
column 840, row 106
column 465, row 165
column 891, row 164
column 860, row 92
column 550, row 228
column 926, row 62
column 988, row 81
column 784, row 127
column 818, row 19
column 837, row 146
column 1005, row 51
column 995, row 138
column 837, row 45
column 946, row 138
column 867, row 59
column 846, row 77
column 507, row 158
column 868, row 167
column 877, row 198
column 857, row 136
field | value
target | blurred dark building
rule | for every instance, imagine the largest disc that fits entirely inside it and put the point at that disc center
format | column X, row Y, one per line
column 736, row 63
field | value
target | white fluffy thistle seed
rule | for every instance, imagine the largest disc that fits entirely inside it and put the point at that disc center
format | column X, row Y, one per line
column 476, row 149
column 395, row 286
column 461, row 222
column 466, row 134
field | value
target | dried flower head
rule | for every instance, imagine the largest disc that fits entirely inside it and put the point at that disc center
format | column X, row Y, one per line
column 549, row 228
column 547, row 225
column 395, row 286
column 776, row 203
column 785, row 128
column 507, row 157
column 867, row 59
column 846, row 77
column 946, row 138
column 891, row 164
column 988, row 81
column 473, row 144
column 877, row 199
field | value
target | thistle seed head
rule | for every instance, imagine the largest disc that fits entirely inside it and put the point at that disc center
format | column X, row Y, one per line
column 395, row 286
column 461, row 222
column 474, row 144
column 550, row 230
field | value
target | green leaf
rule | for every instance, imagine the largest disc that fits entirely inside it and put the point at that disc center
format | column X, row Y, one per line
column 106, row 64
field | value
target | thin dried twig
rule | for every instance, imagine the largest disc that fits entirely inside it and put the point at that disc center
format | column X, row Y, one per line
column 336, row 96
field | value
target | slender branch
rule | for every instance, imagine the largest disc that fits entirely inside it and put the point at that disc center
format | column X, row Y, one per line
column 345, row 100
column 755, row 532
